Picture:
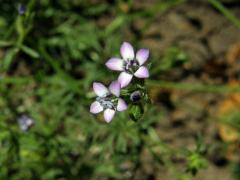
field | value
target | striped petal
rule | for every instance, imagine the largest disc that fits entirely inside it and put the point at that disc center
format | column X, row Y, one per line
column 127, row 51
column 124, row 79
column 142, row 72
column 108, row 115
column 115, row 88
column 115, row 64
column 121, row 106
column 99, row 89
column 96, row 107
column 142, row 56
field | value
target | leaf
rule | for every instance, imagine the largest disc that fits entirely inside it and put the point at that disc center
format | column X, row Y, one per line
column 195, row 162
column 136, row 112
column 8, row 58
column 5, row 43
column 115, row 24
column 19, row 26
column 52, row 173
column 121, row 144
column 153, row 135
column 107, row 169
column 30, row 51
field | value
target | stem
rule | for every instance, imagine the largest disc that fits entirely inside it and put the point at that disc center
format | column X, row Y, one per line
column 225, row 12
column 193, row 87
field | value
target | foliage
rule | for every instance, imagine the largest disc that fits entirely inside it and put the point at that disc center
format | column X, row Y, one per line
column 49, row 57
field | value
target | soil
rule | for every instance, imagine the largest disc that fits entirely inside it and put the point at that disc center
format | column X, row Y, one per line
column 212, row 44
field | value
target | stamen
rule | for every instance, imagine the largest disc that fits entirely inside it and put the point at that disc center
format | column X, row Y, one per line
column 131, row 66
column 106, row 102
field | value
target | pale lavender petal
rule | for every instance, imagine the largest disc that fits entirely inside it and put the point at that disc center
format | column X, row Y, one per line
column 100, row 89
column 127, row 51
column 121, row 106
column 124, row 79
column 142, row 72
column 115, row 64
column 115, row 88
column 142, row 56
column 25, row 122
column 96, row 107
column 108, row 115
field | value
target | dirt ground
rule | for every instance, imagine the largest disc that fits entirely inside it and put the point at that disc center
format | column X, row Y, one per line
column 213, row 46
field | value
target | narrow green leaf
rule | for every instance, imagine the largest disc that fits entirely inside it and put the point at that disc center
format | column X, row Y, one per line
column 121, row 144
column 30, row 52
column 116, row 23
column 8, row 58
column 5, row 43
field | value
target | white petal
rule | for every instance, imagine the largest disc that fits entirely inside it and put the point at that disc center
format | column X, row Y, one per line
column 121, row 106
column 108, row 115
column 142, row 56
column 142, row 72
column 115, row 88
column 96, row 107
column 100, row 89
column 115, row 64
column 127, row 51
column 124, row 79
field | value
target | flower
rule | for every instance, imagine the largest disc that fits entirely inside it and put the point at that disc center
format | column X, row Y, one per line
column 21, row 9
column 107, row 100
column 130, row 65
column 25, row 122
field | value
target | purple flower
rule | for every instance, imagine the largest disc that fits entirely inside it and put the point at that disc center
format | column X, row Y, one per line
column 107, row 100
column 25, row 122
column 129, row 64
column 21, row 9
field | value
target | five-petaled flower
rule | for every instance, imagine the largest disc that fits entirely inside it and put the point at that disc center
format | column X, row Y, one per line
column 25, row 122
column 130, row 65
column 107, row 100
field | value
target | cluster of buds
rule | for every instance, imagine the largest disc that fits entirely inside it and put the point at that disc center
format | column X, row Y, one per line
column 130, row 65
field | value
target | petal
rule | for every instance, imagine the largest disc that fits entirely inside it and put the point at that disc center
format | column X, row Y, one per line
column 142, row 72
column 100, row 89
column 121, row 106
column 115, row 88
column 142, row 56
column 108, row 115
column 124, row 79
column 96, row 107
column 127, row 51
column 115, row 64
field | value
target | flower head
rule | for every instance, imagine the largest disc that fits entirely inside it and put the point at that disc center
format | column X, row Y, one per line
column 25, row 122
column 129, row 65
column 21, row 9
column 107, row 100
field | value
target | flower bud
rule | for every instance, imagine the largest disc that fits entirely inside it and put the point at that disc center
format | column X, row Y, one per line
column 21, row 9
column 135, row 96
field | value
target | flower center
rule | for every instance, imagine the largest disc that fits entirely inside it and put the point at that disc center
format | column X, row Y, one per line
column 131, row 66
column 107, row 102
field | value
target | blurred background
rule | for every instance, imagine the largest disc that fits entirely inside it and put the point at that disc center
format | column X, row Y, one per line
column 52, row 51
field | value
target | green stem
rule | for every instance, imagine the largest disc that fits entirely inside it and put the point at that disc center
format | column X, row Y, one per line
column 225, row 12
column 193, row 87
